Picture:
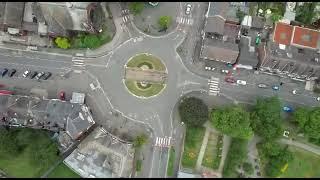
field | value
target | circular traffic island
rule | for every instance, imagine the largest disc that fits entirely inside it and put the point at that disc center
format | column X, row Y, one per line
column 145, row 76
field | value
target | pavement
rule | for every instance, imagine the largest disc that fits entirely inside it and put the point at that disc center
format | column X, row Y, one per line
column 121, row 113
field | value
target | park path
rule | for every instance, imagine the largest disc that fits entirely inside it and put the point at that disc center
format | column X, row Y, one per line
column 202, row 149
column 315, row 149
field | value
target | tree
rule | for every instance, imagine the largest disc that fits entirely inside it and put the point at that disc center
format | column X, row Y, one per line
column 275, row 17
column 140, row 140
column 266, row 119
column 247, row 167
column 309, row 121
column 193, row 111
column 136, row 7
column 237, row 154
column 233, row 121
column 165, row 21
column 305, row 13
column 240, row 14
column 276, row 163
column 91, row 41
column 62, row 42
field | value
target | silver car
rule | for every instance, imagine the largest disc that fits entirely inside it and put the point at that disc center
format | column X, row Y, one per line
column 188, row 10
column 262, row 86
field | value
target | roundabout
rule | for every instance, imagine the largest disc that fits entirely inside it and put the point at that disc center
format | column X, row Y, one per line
column 145, row 76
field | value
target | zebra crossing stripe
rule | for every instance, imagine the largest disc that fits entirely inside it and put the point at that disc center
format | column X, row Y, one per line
column 188, row 20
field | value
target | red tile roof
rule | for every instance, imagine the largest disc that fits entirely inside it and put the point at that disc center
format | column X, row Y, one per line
column 305, row 37
column 283, row 33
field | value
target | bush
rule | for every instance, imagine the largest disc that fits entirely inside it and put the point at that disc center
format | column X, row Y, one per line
column 62, row 42
column 165, row 21
column 248, row 168
column 136, row 7
column 193, row 112
column 217, row 159
column 138, row 165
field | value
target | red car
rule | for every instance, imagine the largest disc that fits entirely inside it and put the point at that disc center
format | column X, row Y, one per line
column 5, row 92
column 62, row 95
column 230, row 80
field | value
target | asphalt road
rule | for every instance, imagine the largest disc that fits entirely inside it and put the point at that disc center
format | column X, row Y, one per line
column 113, row 105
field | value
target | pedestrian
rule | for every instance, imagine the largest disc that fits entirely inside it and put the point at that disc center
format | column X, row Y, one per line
column 281, row 83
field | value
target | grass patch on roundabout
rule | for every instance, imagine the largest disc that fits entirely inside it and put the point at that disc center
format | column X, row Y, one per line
column 148, row 60
column 152, row 90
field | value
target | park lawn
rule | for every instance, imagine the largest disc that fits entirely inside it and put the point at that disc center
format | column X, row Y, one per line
column 144, row 58
column 304, row 165
column 138, row 165
column 210, row 152
column 172, row 157
column 152, row 90
column 63, row 171
column 192, row 145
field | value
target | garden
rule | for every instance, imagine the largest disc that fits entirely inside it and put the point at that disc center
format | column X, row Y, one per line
column 213, row 152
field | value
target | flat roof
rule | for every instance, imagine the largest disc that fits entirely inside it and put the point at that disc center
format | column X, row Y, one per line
column 282, row 33
column 305, row 37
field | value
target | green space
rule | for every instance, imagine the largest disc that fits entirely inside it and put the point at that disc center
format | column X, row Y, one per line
column 139, row 59
column 170, row 168
column 133, row 87
column 212, row 155
column 304, row 165
column 26, row 152
column 192, row 145
column 138, row 165
column 63, row 171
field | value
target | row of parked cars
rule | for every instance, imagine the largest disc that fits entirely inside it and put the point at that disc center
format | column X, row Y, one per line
column 36, row 75
column 33, row 74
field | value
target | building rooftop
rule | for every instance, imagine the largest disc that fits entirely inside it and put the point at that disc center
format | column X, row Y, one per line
column 102, row 155
column 282, row 33
column 13, row 15
column 53, row 114
column 305, row 37
column 214, row 25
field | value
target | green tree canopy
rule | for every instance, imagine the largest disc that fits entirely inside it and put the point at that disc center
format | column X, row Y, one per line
column 136, row 7
column 140, row 140
column 233, row 121
column 276, row 163
column 247, row 167
column 266, row 119
column 193, row 111
column 91, row 41
column 309, row 121
column 62, row 42
column 306, row 12
column 165, row 21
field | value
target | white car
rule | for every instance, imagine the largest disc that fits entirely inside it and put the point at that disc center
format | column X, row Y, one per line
column 26, row 73
column 318, row 98
column 241, row 82
column 262, row 85
column 295, row 91
column 209, row 68
column 188, row 10
column 225, row 71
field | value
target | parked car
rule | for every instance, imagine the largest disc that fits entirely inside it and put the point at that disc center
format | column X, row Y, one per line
column 12, row 72
column 230, row 80
column 39, row 75
column 3, row 72
column 26, row 73
column 318, row 98
column 209, row 68
column 33, row 74
column 62, row 95
column 5, row 92
column 241, row 82
column 188, row 9
column 287, row 109
column 2, row 85
column 262, row 86
column 46, row 75
column 275, row 87
column 225, row 71
column 295, row 91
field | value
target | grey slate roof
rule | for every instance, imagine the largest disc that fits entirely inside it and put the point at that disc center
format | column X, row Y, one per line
column 214, row 25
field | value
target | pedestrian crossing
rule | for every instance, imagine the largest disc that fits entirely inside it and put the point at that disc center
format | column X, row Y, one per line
column 184, row 20
column 163, row 142
column 213, row 84
column 125, row 15
column 78, row 63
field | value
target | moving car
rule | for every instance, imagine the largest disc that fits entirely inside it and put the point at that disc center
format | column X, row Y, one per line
column 275, row 87
column 287, row 109
column 262, row 86
column 46, row 75
column 241, row 82
column 62, row 95
column 230, row 80
column 188, row 10
column 3, row 72
column 26, row 73
column 39, row 75
column 12, row 72
column 33, row 74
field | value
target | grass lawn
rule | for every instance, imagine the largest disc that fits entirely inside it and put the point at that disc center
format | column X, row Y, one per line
column 152, row 90
column 192, row 145
column 211, row 158
column 304, row 165
column 63, row 171
column 138, row 165
column 142, row 58
column 170, row 167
